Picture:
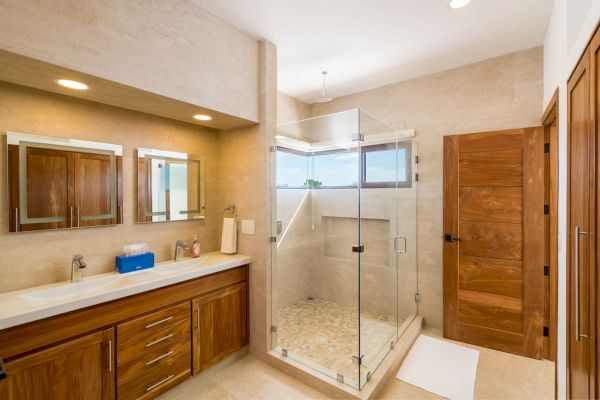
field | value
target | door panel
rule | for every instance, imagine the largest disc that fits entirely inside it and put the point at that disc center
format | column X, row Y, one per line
column 48, row 189
column 491, row 168
column 493, row 271
column 92, row 189
column 494, row 204
column 491, row 275
column 78, row 369
column 486, row 239
column 219, row 325
column 580, row 189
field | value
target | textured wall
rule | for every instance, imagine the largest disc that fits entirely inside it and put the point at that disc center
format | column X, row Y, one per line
column 36, row 258
column 290, row 109
column 245, row 180
column 499, row 93
column 169, row 47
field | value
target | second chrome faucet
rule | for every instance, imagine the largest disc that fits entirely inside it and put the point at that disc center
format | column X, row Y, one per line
column 180, row 244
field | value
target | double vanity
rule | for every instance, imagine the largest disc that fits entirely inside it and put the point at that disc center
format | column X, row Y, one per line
column 125, row 336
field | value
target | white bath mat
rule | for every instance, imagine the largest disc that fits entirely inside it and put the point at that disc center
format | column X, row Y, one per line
column 441, row 367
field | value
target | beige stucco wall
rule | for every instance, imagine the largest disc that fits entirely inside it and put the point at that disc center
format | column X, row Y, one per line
column 245, row 180
column 290, row 109
column 35, row 258
column 168, row 47
column 499, row 93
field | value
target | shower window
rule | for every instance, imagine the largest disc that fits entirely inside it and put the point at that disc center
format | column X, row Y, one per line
column 336, row 169
column 292, row 170
column 386, row 166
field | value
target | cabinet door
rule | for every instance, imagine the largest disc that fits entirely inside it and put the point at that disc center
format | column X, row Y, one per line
column 95, row 190
column 44, row 198
column 82, row 368
column 219, row 325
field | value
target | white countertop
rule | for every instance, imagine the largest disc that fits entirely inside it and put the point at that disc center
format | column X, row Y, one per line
column 27, row 305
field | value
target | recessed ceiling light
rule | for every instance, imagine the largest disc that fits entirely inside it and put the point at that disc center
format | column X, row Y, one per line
column 458, row 3
column 72, row 84
column 202, row 117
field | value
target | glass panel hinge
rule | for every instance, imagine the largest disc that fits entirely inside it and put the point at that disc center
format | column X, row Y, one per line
column 284, row 352
column 273, row 239
column 358, row 137
column 340, row 378
column 417, row 297
column 357, row 360
column 273, row 328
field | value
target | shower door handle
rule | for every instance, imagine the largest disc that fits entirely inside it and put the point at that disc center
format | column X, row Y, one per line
column 396, row 249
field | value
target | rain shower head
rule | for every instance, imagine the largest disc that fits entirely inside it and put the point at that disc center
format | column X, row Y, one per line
column 323, row 98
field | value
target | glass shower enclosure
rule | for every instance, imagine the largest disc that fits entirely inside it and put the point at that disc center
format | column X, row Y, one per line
column 344, row 265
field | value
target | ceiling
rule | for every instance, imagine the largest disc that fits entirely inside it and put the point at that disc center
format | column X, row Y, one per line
column 366, row 44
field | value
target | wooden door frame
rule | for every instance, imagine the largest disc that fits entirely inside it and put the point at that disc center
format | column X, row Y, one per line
column 550, row 117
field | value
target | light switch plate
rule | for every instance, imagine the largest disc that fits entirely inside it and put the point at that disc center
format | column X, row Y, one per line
column 248, row 226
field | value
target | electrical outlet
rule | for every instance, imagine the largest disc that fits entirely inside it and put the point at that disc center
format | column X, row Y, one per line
column 248, row 226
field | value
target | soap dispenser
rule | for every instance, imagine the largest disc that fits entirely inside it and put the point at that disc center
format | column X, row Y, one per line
column 196, row 247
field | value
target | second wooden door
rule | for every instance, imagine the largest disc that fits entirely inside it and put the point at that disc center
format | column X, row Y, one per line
column 494, row 240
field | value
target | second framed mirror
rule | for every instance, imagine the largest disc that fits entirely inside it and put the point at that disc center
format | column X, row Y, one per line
column 171, row 186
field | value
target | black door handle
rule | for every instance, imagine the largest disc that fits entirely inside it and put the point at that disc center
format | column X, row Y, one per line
column 3, row 374
column 449, row 238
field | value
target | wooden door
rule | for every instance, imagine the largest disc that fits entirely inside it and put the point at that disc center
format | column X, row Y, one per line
column 92, row 190
column 82, row 368
column 48, row 189
column 219, row 325
column 581, row 259
column 494, row 240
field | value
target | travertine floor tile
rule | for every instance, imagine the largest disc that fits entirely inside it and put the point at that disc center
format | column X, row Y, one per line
column 499, row 376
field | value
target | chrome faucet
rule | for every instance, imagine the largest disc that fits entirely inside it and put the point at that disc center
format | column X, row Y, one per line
column 77, row 264
column 180, row 244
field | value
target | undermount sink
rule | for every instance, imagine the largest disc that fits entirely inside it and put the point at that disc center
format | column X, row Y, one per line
column 70, row 289
column 171, row 267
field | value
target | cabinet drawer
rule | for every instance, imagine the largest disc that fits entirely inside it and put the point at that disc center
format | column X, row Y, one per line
column 154, row 322
column 152, row 360
column 157, row 380
column 127, row 351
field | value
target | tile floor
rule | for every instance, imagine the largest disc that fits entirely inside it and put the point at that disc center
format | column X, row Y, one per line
column 499, row 376
column 324, row 334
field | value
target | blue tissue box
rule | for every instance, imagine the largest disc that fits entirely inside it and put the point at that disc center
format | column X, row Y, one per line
column 135, row 263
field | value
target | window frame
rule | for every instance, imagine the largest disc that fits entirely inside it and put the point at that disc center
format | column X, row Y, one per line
column 390, row 184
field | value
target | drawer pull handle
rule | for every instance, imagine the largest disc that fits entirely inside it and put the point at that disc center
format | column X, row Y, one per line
column 159, row 322
column 168, row 378
column 170, row 335
column 159, row 358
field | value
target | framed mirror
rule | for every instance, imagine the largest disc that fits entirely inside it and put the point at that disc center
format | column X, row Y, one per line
column 171, row 186
column 58, row 183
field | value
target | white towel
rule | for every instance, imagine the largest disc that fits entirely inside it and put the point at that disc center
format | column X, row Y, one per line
column 229, row 237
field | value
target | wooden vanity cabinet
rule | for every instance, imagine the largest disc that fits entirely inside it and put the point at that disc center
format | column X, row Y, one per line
column 136, row 347
column 81, row 368
column 219, row 325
